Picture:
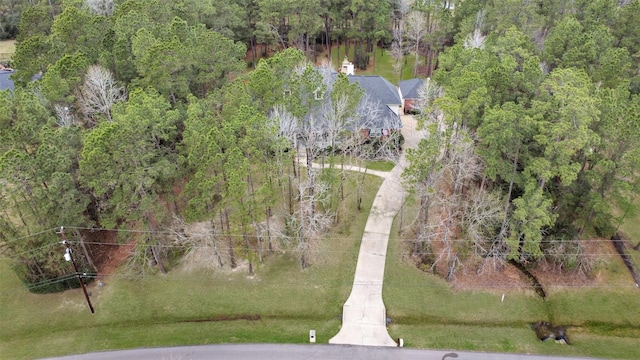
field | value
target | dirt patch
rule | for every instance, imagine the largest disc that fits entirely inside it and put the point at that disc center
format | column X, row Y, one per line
column 490, row 276
column 106, row 252
column 118, row 256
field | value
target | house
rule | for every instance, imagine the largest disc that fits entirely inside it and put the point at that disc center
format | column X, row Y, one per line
column 378, row 113
column 5, row 81
column 409, row 90
column 387, row 101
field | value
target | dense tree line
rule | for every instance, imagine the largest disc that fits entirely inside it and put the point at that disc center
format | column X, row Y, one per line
column 544, row 98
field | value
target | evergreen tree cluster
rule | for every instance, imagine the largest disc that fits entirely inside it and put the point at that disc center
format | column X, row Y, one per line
column 532, row 110
column 546, row 94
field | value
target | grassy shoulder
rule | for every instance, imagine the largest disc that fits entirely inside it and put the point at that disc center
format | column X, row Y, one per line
column 280, row 304
column 602, row 322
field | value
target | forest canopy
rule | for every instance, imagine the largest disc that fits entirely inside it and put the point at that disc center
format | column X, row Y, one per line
column 532, row 109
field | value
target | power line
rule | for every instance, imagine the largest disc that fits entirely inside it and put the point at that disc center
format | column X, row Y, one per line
column 349, row 283
column 225, row 247
column 29, row 236
column 208, row 234
column 190, row 234
column 19, row 254
column 51, row 281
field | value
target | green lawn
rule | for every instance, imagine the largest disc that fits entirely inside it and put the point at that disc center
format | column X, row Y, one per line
column 337, row 160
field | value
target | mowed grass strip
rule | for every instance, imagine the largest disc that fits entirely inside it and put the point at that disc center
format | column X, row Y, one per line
column 280, row 304
column 602, row 321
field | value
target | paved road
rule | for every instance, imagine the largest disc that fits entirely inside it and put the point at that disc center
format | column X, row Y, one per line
column 296, row 352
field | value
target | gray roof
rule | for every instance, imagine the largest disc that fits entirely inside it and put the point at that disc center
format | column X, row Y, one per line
column 381, row 94
column 378, row 88
column 384, row 94
column 5, row 81
column 393, row 122
column 409, row 88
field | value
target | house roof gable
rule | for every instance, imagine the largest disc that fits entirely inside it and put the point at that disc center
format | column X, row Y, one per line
column 410, row 88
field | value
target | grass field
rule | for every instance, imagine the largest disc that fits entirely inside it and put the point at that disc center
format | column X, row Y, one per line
column 336, row 161
column 282, row 303
column 7, row 48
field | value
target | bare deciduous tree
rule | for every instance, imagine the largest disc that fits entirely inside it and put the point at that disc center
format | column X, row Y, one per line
column 308, row 223
column 476, row 40
column 99, row 92
column 100, row 7
column 427, row 95
column 397, row 51
column 64, row 115
column 397, row 45
column 482, row 213
column 415, row 32
column 453, row 210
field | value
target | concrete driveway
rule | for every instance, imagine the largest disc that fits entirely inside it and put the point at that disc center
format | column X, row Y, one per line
column 364, row 314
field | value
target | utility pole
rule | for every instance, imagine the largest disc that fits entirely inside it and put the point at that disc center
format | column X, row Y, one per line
column 68, row 255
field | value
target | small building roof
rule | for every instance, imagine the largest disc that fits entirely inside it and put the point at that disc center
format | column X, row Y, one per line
column 5, row 81
column 410, row 88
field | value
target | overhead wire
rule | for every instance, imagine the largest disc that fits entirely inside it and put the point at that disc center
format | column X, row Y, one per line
column 28, row 236
column 173, row 232
column 285, row 282
column 190, row 234
column 226, row 247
